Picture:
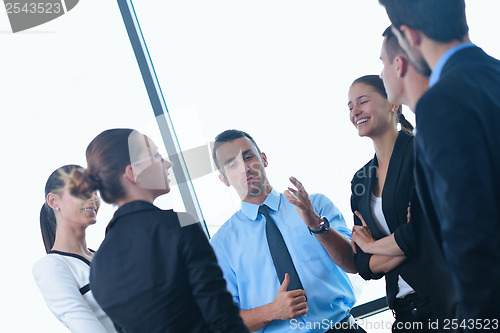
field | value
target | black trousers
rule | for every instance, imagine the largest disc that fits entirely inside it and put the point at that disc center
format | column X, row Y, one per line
column 346, row 325
column 412, row 314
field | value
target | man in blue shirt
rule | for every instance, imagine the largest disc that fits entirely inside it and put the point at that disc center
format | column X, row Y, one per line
column 457, row 149
column 321, row 255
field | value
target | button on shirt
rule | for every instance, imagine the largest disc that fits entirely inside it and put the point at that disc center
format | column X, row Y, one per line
column 243, row 255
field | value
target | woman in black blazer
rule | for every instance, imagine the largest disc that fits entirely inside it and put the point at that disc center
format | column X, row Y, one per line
column 155, row 270
column 381, row 194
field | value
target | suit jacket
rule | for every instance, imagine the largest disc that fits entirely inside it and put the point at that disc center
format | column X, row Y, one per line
column 151, row 274
column 396, row 196
column 458, row 175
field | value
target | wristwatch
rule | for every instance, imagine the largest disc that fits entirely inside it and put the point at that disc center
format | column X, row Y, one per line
column 323, row 226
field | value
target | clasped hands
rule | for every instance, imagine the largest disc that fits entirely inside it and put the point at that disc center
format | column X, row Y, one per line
column 361, row 236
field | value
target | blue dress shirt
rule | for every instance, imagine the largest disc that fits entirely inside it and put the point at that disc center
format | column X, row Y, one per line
column 243, row 255
column 436, row 72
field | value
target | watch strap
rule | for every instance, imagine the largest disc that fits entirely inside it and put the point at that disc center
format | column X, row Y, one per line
column 324, row 226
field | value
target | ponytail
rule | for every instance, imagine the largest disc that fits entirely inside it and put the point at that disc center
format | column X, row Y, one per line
column 405, row 124
column 82, row 185
column 107, row 157
column 48, row 227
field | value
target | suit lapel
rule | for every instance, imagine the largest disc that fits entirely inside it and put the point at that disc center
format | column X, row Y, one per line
column 389, row 202
column 365, row 207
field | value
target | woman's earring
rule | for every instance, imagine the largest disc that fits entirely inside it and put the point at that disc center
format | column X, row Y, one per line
column 57, row 209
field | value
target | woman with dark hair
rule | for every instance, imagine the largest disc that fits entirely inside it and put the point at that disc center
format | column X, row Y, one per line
column 155, row 270
column 381, row 193
column 63, row 274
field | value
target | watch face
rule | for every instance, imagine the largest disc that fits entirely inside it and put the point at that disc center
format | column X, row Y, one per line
column 326, row 223
column 323, row 226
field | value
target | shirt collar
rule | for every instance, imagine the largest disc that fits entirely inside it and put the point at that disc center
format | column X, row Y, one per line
column 252, row 210
column 436, row 73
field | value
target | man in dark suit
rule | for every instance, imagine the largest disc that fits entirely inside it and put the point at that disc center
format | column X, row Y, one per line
column 405, row 85
column 457, row 148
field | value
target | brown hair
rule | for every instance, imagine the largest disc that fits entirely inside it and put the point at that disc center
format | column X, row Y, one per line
column 107, row 156
column 405, row 124
column 391, row 45
column 376, row 83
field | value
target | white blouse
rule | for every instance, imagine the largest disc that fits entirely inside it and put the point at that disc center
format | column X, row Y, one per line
column 63, row 279
column 383, row 227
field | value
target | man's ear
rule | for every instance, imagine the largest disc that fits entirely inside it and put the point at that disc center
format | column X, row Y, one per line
column 129, row 174
column 413, row 36
column 52, row 200
column 401, row 65
column 264, row 159
column 224, row 180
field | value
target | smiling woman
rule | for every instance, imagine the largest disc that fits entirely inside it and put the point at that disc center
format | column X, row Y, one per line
column 370, row 111
column 63, row 275
column 382, row 192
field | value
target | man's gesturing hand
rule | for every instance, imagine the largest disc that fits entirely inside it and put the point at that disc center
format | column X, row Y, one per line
column 300, row 198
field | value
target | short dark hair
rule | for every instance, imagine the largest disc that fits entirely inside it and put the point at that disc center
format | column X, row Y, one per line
column 227, row 136
column 440, row 20
column 391, row 45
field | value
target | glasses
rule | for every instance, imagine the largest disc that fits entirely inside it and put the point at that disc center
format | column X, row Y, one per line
column 156, row 157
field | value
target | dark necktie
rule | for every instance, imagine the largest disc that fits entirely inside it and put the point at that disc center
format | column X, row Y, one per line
column 279, row 252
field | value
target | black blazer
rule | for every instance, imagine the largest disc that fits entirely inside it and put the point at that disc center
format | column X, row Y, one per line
column 396, row 196
column 152, row 275
column 458, row 175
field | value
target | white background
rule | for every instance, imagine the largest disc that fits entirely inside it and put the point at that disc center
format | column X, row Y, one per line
column 277, row 69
